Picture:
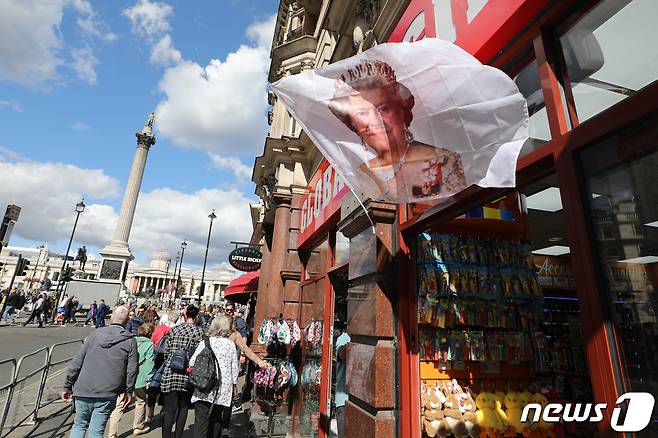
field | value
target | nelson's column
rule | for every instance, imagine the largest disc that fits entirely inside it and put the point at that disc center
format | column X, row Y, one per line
column 117, row 255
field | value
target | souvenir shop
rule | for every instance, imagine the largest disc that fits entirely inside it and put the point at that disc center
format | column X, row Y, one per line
column 463, row 312
column 543, row 294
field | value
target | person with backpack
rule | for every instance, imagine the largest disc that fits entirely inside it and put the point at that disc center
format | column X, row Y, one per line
column 144, row 375
column 215, row 370
column 174, row 385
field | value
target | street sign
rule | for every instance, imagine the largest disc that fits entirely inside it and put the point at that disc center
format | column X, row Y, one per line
column 245, row 259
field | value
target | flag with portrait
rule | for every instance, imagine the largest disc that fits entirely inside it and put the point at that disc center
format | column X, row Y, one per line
column 410, row 122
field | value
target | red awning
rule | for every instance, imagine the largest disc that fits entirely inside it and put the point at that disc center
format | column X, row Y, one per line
column 240, row 288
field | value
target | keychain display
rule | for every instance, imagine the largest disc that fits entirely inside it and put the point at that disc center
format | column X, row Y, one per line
column 286, row 332
column 478, row 299
column 313, row 333
column 278, row 375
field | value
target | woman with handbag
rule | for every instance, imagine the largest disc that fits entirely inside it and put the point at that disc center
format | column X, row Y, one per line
column 174, row 386
column 212, row 409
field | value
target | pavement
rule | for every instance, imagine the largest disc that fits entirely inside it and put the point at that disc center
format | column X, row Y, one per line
column 56, row 419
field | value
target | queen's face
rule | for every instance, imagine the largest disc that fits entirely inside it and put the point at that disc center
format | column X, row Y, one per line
column 378, row 119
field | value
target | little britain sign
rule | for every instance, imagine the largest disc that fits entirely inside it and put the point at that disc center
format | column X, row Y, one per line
column 245, row 259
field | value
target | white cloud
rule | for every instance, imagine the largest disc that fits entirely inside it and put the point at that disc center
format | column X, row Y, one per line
column 11, row 105
column 230, row 163
column 90, row 23
column 149, row 19
column 32, row 47
column 220, row 107
column 30, row 43
column 48, row 192
column 80, row 126
column 161, row 219
column 84, row 64
column 262, row 32
column 164, row 53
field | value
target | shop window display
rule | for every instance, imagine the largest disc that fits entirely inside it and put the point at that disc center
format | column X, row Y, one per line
column 622, row 194
column 498, row 322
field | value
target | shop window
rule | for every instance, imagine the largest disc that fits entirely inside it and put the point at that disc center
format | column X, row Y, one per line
column 498, row 312
column 611, row 54
column 626, row 190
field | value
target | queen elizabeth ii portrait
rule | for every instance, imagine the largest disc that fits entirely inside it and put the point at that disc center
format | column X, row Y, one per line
column 371, row 102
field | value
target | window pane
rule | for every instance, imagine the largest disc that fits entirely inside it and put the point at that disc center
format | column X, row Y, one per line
column 611, row 53
column 623, row 198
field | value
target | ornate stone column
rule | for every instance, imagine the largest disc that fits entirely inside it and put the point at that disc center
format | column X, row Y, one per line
column 117, row 254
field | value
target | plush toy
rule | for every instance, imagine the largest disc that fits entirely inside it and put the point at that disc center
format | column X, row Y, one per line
column 500, row 398
column 454, row 416
column 513, row 403
column 469, row 408
column 487, row 417
column 542, row 429
column 431, row 421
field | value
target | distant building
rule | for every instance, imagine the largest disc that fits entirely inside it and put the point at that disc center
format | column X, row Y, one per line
column 153, row 280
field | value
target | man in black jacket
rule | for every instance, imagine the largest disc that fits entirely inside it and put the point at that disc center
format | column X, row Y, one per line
column 106, row 366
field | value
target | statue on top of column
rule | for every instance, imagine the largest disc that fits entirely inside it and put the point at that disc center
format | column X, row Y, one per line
column 146, row 137
column 148, row 128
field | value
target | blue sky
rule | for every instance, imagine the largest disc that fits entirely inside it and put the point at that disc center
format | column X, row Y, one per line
column 78, row 78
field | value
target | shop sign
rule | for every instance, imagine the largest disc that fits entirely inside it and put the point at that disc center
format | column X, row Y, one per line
column 481, row 27
column 245, row 259
column 321, row 201
column 555, row 272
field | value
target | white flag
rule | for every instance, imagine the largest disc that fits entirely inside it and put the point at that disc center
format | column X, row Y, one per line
column 409, row 122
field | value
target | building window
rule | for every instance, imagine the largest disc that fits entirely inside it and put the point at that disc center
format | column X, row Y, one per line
column 611, row 53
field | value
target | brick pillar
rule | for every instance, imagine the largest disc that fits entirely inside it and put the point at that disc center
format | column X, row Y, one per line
column 370, row 364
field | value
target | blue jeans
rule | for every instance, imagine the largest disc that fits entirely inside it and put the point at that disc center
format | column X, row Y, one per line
column 9, row 310
column 92, row 414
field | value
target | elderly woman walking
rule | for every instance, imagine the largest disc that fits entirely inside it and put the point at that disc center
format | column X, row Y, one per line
column 212, row 410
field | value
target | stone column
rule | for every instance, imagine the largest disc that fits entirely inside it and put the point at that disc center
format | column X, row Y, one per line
column 117, row 254
column 122, row 231
column 270, row 283
column 372, row 300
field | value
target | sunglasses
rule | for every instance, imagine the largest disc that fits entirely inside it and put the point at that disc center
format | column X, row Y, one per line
column 229, row 310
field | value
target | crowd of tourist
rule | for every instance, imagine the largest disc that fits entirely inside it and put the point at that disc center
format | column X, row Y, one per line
column 147, row 356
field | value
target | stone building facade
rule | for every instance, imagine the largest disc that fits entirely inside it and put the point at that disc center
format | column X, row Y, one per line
column 311, row 34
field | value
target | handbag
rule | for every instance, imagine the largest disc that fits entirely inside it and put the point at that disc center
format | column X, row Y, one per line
column 154, row 385
column 178, row 361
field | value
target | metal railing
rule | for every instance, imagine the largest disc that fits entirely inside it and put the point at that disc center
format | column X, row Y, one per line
column 21, row 406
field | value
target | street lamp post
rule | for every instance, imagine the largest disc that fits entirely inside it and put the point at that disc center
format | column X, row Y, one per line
column 212, row 216
column 173, row 277
column 79, row 208
column 36, row 265
column 180, row 268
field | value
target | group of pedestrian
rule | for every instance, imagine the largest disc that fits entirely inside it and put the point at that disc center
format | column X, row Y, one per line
column 13, row 304
column 157, row 362
column 68, row 308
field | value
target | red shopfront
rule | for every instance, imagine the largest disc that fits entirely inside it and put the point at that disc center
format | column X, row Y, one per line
column 324, row 254
column 583, row 213
column 584, row 207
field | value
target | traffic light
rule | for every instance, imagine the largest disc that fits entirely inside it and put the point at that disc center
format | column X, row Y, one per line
column 22, row 268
